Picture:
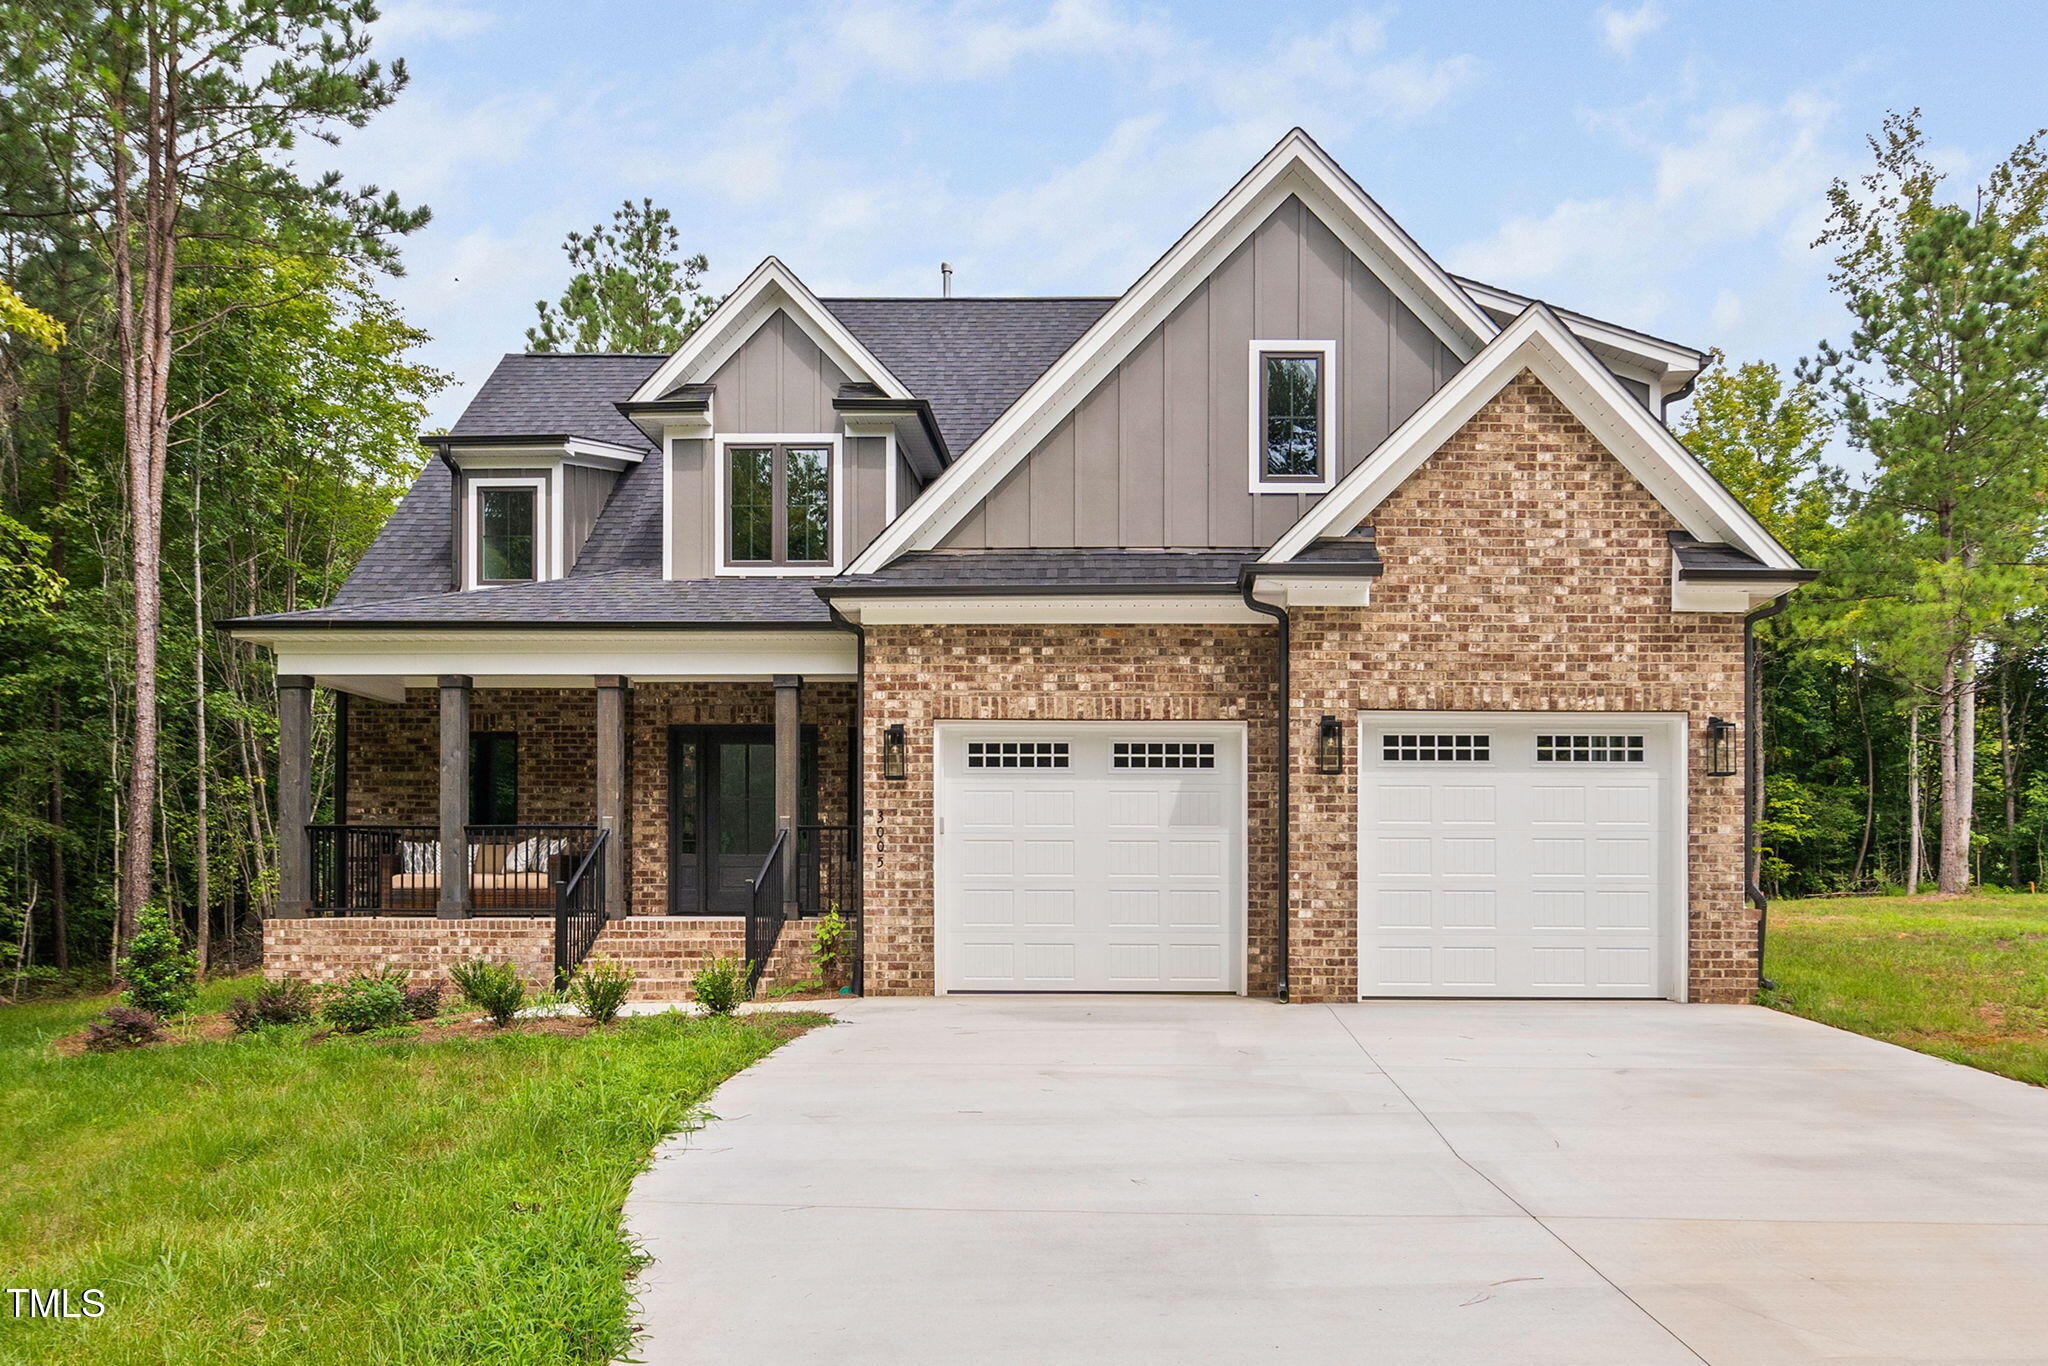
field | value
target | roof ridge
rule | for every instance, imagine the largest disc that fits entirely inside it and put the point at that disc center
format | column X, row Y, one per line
column 968, row 298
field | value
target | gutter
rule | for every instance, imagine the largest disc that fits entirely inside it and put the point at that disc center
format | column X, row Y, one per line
column 857, row 799
column 1751, row 756
column 1245, row 583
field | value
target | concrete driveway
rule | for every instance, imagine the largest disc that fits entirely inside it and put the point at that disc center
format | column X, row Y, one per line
column 1186, row 1179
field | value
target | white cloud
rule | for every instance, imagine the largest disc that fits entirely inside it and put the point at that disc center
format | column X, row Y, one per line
column 1622, row 29
column 972, row 41
column 1740, row 173
column 401, row 21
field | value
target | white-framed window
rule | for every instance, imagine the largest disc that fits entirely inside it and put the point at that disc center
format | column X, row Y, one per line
column 510, row 530
column 1294, row 416
column 1589, row 749
column 1433, row 749
column 1018, row 754
column 781, row 503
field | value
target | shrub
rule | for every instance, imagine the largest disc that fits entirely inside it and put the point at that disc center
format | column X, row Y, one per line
column 160, row 975
column 122, row 1027
column 366, row 1002
column 496, row 989
column 285, row 1002
column 829, row 949
column 423, row 1002
column 600, row 988
column 721, row 984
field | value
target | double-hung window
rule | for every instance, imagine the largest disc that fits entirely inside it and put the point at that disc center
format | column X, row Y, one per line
column 507, row 531
column 778, row 504
column 1292, row 404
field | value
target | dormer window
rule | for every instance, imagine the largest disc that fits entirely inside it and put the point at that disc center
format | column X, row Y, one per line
column 779, row 497
column 504, row 540
column 1292, row 402
column 507, row 530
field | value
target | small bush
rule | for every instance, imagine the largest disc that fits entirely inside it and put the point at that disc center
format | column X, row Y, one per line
column 599, row 989
column 834, row 940
column 496, row 989
column 289, row 1001
column 159, row 974
column 366, row 1002
column 122, row 1027
column 424, row 1002
column 721, row 984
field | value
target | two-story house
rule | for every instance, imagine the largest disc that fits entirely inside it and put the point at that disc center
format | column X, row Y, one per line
column 1304, row 620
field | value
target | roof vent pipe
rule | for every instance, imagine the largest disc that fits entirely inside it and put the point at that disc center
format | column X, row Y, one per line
column 945, row 280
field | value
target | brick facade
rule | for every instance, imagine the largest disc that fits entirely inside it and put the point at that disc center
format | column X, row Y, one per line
column 921, row 675
column 1526, row 569
column 333, row 949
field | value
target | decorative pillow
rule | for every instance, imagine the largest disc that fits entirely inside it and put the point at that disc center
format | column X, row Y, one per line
column 520, row 857
column 419, row 856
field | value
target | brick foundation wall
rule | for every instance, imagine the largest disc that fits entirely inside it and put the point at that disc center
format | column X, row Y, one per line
column 1526, row 569
column 920, row 675
column 332, row 949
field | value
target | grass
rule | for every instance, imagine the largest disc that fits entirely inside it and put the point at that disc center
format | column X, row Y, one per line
column 1965, row 979
column 267, row 1199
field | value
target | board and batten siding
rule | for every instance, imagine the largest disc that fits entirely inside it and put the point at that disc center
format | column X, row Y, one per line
column 584, row 491
column 777, row 384
column 1159, row 453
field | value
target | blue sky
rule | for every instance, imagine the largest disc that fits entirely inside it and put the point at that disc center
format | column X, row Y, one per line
column 1657, row 162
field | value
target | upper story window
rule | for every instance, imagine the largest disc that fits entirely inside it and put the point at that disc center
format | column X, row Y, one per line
column 506, row 535
column 779, row 501
column 1292, row 401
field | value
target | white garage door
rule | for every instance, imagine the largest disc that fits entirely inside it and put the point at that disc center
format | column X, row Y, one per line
column 1516, row 855
column 1090, row 858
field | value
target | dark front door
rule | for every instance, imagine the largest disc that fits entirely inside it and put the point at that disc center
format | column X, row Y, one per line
column 722, row 812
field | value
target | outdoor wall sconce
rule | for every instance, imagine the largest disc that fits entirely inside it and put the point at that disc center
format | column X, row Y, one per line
column 1720, row 748
column 1330, row 746
column 894, row 766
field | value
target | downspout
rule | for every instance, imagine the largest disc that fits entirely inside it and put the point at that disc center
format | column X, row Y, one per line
column 857, row 798
column 1751, row 753
column 1279, row 615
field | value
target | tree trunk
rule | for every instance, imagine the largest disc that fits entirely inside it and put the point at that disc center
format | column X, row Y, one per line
column 1966, row 771
column 2008, row 773
column 1869, row 781
column 1915, row 849
column 203, row 893
column 1952, row 868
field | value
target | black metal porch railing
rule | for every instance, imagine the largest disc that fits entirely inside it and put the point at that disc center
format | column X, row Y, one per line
column 375, row 869
column 824, row 869
column 579, row 911
column 396, row 869
column 764, row 909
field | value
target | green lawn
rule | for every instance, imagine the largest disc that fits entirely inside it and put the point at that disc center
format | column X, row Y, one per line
column 264, row 1199
column 1965, row 979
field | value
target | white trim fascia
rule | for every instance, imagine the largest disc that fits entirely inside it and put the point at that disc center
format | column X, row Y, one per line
column 568, row 658
column 1133, row 609
column 1648, row 351
column 1721, row 596
column 668, row 505
column 601, row 455
column 1312, row 590
column 1328, row 422
column 1677, row 729
column 1538, row 341
column 360, row 685
column 1295, row 166
column 547, row 524
column 838, row 511
column 772, row 285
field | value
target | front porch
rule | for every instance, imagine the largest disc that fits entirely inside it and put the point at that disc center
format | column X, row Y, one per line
column 660, row 823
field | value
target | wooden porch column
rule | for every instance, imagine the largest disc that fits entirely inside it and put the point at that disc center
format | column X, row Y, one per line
column 454, row 900
column 294, row 794
column 788, row 765
column 611, row 791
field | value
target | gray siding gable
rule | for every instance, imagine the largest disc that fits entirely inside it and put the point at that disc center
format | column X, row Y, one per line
column 1158, row 454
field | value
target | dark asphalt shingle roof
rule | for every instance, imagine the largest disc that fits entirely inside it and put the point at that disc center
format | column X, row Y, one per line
column 1719, row 560
column 965, row 570
column 968, row 358
column 415, row 549
column 637, row 596
column 559, row 395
